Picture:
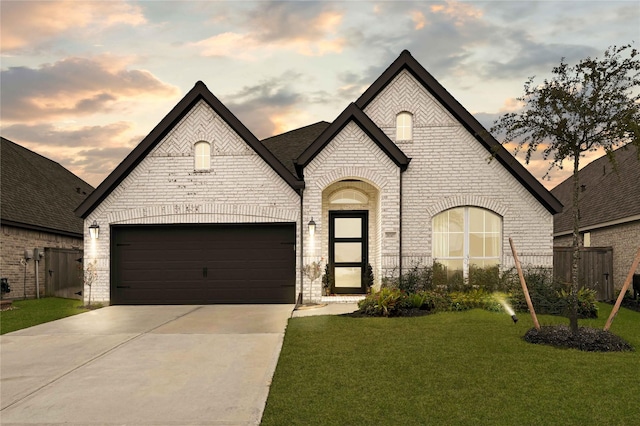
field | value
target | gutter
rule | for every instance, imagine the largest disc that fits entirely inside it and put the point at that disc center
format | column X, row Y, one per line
column 600, row 225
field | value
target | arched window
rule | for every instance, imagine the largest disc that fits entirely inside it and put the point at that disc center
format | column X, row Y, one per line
column 348, row 196
column 404, row 126
column 202, row 155
column 467, row 236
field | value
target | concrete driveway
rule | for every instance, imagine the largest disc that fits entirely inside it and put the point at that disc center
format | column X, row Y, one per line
column 144, row 365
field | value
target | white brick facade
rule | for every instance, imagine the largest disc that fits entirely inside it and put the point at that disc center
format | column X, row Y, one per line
column 450, row 168
column 353, row 155
column 164, row 188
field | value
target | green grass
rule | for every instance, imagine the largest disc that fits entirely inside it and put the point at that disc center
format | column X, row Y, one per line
column 449, row 368
column 27, row 313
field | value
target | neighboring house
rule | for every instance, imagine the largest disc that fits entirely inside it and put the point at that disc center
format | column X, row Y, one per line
column 203, row 212
column 609, row 209
column 38, row 199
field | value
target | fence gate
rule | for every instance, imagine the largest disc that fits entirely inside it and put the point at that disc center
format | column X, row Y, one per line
column 63, row 273
column 595, row 268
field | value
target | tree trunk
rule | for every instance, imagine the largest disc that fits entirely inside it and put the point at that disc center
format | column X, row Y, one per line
column 573, row 297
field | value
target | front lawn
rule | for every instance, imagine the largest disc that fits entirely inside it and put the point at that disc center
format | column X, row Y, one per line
column 27, row 313
column 449, row 368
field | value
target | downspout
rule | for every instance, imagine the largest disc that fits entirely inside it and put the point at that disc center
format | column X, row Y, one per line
column 400, row 231
column 300, row 295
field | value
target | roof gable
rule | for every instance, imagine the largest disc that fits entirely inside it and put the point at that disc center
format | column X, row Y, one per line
column 407, row 62
column 355, row 114
column 38, row 193
column 199, row 92
column 608, row 195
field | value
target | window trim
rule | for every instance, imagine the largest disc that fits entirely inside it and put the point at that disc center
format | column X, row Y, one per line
column 466, row 232
column 205, row 156
column 405, row 127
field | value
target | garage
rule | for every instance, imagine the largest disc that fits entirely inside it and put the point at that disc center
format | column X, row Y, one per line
column 203, row 264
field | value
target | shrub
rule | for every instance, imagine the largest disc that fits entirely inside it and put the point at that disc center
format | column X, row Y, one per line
column 551, row 297
column 418, row 278
column 387, row 302
column 476, row 298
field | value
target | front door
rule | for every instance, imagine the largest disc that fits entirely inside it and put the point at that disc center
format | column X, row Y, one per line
column 348, row 250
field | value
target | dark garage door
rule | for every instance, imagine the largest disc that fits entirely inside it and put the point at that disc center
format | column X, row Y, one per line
column 201, row 264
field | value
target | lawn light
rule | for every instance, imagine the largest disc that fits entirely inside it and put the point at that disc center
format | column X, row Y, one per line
column 514, row 318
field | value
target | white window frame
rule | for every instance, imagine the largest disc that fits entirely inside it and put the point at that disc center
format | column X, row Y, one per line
column 404, row 126
column 466, row 258
column 202, row 156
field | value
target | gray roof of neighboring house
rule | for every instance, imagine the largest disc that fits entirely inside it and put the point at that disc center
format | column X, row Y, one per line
column 38, row 193
column 607, row 196
column 288, row 146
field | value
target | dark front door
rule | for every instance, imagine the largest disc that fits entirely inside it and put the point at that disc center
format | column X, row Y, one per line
column 348, row 250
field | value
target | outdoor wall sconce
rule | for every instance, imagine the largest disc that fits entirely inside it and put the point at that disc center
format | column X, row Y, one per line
column 94, row 230
column 312, row 227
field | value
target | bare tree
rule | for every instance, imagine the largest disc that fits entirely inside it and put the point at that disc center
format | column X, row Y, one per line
column 592, row 105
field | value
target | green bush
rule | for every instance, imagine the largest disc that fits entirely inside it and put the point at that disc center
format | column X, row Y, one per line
column 387, row 302
column 476, row 298
column 551, row 297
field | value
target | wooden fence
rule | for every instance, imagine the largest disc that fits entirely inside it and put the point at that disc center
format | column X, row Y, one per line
column 595, row 268
column 63, row 272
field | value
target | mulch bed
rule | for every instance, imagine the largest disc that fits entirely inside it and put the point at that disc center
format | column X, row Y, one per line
column 586, row 339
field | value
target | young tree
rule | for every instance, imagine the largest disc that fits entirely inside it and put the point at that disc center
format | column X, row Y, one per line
column 592, row 105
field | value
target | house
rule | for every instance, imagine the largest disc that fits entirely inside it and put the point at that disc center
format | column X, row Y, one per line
column 41, row 236
column 609, row 210
column 203, row 212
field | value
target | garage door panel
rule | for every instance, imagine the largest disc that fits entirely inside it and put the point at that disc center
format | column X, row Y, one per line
column 196, row 264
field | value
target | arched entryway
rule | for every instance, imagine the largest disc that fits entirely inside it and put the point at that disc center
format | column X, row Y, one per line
column 351, row 240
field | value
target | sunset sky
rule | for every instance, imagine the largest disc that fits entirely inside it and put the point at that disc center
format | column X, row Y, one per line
column 83, row 82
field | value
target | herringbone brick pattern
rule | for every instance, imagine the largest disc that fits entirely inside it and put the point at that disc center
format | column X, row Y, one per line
column 406, row 94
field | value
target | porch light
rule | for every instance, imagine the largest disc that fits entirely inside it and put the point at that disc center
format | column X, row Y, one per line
column 94, row 230
column 312, row 227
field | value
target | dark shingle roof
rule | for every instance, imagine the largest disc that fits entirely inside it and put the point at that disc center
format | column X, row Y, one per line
column 39, row 193
column 607, row 196
column 288, row 146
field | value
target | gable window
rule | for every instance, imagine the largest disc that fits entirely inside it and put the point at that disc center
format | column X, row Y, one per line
column 467, row 236
column 202, row 156
column 404, row 126
column 348, row 196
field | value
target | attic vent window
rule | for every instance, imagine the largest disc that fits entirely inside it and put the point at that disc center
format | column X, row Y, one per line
column 404, row 126
column 202, row 156
column 348, row 196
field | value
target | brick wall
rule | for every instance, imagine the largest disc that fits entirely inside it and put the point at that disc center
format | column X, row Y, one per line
column 625, row 240
column 13, row 243
column 450, row 168
column 353, row 155
column 165, row 189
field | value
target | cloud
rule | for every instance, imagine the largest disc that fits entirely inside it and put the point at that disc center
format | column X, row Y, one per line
column 91, row 152
column 27, row 24
column 74, row 87
column 309, row 29
column 269, row 107
column 528, row 57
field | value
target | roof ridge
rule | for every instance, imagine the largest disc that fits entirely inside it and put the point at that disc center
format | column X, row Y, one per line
column 295, row 130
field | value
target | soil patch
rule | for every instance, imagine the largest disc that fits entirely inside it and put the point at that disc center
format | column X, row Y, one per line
column 586, row 339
